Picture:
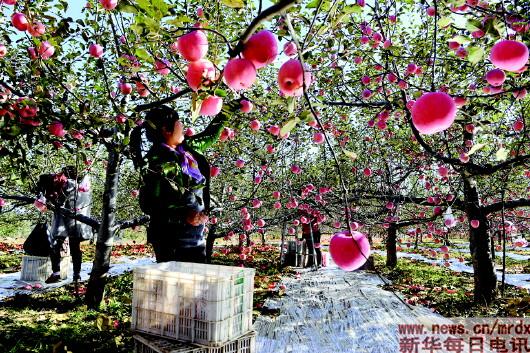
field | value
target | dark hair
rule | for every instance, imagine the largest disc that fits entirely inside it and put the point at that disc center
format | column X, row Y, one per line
column 143, row 137
column 162, row 117
column 70, row 171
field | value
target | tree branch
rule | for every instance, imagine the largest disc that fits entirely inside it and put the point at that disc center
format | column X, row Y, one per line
column 134, row 222
column 147, row 106
column 92, row 222
column 265, row 15
column 496, row 207
column 359, row 104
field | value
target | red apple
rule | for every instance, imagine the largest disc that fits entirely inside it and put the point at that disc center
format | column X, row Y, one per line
column 198, row 71
column 193, row 46
column 125, row 88
column 274, row 130
column 45, row 50
column 214, row 171
column 239, row 74
column 261, row 49
column 290, row 49
column 318, row 138
column 240, row 163
column 433, row 112
column 162, row 66
column 349, row 251
column 56, row 129
column 95, row 50
column 19, row 21
column 246, row 106
column 211, row 106
column 36, row 29
column 255, row 125
column 518, row 125
column 109, row 4
column 431, row 11
column 120, row 118
column 509, row 55
column 291, row 78
column 443, row 171
column 495, row 77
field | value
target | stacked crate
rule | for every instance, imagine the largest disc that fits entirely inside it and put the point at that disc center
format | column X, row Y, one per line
column 201, row 306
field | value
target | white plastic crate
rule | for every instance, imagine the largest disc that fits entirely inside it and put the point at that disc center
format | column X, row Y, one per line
column 39, row 268
column 149, row 344
column 199, row 303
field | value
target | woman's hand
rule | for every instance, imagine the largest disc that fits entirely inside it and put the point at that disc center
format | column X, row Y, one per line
column 196, row 218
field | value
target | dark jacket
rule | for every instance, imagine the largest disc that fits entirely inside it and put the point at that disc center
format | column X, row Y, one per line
column 167, row 194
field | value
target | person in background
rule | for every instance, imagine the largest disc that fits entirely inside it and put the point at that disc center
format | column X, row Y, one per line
column 311, row 234
column 75, row 193
column 175, row 189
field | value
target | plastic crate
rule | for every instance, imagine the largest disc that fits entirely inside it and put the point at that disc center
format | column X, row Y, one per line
column 198, row 303
column 39, row 268
column 149, row 344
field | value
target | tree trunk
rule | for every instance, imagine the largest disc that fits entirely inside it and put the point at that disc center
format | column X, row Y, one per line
column 479, row 245
column 107, row 230
column 492, row 246
column 391, row 251
column 369, row 264
column 282, row 245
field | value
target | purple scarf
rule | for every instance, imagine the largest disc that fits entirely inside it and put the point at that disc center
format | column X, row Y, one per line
column 188, row 164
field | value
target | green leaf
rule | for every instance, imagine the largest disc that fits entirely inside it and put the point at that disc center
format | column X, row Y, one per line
column 288, row 126
column 490, row 29
column 122, row 7
column 350, row 154
column 352, row 9
column 195, row 107
column 160, row 7
column 475, row 148
column 445, row 21
column 152, row 24
column 143, row 54
column 499, row 26
column 220, row 92
column 473, row 25
column 179, row 21
column 501, row 154
column 460, row 39
column 235, row 4
column 103, row 322
column 475, row 54
column 326, row 5
column 291, row 104
column 305, row 115
column 144, row 5
column 322, row 30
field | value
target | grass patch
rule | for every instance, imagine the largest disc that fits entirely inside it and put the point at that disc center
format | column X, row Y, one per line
column 447, row 292
column 58, row 321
